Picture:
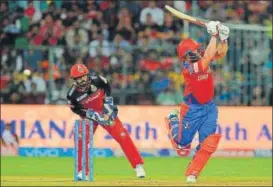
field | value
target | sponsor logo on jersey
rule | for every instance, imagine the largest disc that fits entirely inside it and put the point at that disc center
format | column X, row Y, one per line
column 91, row 98
column 202, row 77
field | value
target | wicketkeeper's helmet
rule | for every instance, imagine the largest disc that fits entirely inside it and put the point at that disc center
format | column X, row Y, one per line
column 78, row 70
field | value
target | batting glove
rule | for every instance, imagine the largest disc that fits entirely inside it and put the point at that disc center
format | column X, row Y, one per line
column 223, row 32
column 212, row 27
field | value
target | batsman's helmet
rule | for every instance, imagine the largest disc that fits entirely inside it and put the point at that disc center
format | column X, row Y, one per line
column 78, row 70
column 187, row 45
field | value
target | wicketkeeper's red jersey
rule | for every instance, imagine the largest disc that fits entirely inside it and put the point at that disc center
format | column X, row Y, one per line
column 92, row 98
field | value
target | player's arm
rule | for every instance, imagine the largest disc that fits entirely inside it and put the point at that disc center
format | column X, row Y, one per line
column 101, row 118
column 209, row 52
column 110, row 110
column 223, row 46
column 75, row 106
column 222, row 49
column 103, row 83
column 212, row 52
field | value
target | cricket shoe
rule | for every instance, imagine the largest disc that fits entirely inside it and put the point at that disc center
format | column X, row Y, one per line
column 140, row 172
column 80, row 176
column 191, row 179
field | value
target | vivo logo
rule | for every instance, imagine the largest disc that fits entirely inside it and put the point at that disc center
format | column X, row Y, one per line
column 36, row 152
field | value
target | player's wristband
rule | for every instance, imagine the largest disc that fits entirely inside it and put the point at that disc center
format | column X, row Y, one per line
column 224, row 41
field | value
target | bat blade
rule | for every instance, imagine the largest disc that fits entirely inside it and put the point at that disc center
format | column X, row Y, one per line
column 186, row 17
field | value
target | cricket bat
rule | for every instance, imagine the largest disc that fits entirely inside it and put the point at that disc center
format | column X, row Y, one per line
column 186, row 17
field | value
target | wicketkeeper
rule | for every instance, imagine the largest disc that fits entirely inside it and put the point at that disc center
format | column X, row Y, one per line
column 90, row 97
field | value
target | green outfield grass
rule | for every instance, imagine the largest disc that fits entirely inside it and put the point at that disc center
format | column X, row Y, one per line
column 116, row 171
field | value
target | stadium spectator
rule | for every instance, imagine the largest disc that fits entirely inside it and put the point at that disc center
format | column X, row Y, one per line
column 76, row 34
column 234, row 18
column 110, row 18
column 3, row 7
column 168, row 33
column 180, row 5
column 30, row 10
column 99, row 46
column 11, row 61
column 120, row 43
column 51, row 31
column 34, row 36
column 134, row 8
column 15, row 89
column 216, row 12
column 36, row 81
column 149, row 24
column 258, row 96
column 169, row 29
column 225, row 97
column 125, row 26
column 156, row 13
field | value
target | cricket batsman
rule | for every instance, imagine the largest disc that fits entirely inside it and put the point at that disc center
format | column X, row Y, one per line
column 198, row 112
column 90, row 97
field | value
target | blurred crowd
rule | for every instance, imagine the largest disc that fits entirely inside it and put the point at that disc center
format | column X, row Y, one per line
column 132, row 43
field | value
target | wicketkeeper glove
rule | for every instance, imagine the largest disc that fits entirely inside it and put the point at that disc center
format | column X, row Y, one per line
column 212, row 27
column 99, row 118
column 110, row 108
column 223, row 32
column 110, row 112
